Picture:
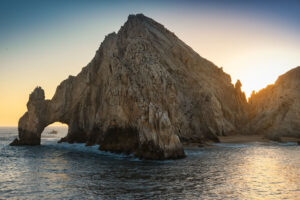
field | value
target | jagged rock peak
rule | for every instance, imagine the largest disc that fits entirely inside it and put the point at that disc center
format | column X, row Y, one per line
column 141, row 26
column 140, row 19
column 37, row 95
column 139, row 16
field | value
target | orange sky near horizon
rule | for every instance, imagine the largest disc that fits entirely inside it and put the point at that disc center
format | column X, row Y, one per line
column 251, row 48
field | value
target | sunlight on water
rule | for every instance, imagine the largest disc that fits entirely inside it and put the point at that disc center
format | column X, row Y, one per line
column 73, row 171
column 271, row 173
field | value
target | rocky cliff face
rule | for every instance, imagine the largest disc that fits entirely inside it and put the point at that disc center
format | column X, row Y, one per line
column 275, row 110
column 145, row 92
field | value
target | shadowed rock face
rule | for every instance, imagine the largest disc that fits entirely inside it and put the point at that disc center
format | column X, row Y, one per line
column 144, row 92
column 275, row 110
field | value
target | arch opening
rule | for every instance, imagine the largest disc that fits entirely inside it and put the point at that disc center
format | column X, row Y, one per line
column 54, row 132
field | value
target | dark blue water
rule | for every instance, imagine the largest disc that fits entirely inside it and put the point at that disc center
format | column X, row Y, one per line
column 73, row 171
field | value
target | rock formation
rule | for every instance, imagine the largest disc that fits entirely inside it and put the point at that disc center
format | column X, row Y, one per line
column 145, row 92
column 275, row 110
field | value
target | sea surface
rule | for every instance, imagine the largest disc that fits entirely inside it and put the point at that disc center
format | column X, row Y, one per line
column 73, row 171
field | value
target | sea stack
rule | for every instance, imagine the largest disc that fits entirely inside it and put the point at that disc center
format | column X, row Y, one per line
column 145, row 92
column 275, row 110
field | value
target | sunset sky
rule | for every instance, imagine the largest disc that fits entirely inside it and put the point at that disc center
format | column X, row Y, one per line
column 43, row 42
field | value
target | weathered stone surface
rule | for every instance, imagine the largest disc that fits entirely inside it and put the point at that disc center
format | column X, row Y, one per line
column 144, row 92
column 275, row 110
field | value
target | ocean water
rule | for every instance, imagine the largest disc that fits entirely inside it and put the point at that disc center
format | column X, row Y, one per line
column 73, row 171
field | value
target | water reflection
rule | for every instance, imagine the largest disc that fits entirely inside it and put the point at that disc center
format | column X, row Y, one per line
column 270, row 172
column 256, row 171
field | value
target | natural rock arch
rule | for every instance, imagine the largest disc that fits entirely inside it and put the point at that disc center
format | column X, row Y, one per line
column 36, row 119
column 144, row 92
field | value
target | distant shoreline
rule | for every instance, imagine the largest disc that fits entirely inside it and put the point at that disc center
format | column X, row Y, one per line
column 242, row 139
column 253, row 138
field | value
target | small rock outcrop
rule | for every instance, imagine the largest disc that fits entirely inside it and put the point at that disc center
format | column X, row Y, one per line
column 275, row 110
column 145, row 92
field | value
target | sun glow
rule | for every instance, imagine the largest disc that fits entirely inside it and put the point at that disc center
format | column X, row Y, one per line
column 251, row 45
column 261, row 68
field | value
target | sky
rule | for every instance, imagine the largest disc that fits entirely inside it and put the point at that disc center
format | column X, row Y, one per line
column 42, row 42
